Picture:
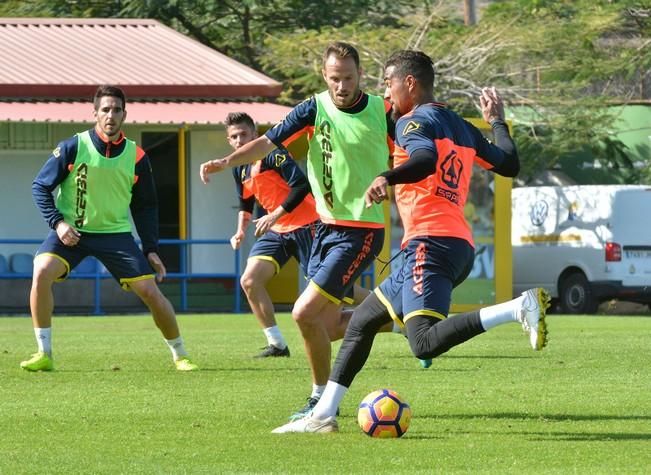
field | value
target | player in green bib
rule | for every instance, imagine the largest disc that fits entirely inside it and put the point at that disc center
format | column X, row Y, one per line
column 102, row 177
column 350, row 134
column 344, row 152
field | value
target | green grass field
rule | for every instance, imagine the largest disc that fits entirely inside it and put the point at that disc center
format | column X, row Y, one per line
column 116, row 405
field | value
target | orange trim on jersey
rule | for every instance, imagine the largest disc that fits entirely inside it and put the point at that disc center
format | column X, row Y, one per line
column 357, row 101
column 483, row 163
column 352, row 224
column 71, row 167
column 105, row 138
column 139, row 153
column 308, row 129
column 392, row 145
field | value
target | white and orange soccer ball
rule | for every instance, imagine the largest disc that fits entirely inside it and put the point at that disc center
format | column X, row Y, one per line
column 383, row 413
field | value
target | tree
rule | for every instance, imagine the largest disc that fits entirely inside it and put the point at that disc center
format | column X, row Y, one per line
column 560, row 64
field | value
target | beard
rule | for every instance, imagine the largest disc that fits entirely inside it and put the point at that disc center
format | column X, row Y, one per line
column 395, row 113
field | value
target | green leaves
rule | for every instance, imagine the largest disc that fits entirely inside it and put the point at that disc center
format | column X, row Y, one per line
column 568, row 61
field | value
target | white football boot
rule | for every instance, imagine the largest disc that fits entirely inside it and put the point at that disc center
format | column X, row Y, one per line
column 531, row 315
column 308, row 424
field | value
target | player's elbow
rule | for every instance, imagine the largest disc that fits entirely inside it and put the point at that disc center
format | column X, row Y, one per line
column 510, row 168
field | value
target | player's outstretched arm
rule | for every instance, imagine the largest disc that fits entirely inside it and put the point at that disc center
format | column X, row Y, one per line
column 505, row 161
column 249, row 153
column 492, row 106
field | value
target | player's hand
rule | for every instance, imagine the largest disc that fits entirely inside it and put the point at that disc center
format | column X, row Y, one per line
column 68, row 235
column 157, row 265
column 377, row 192
column 492, row 107
column 236, row 240
column 264, row 224
column 211, row 166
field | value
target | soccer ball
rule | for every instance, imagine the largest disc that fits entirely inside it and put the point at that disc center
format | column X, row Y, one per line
column 383, row 413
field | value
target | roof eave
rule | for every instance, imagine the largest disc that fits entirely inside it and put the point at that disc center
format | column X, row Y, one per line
column 139, row 91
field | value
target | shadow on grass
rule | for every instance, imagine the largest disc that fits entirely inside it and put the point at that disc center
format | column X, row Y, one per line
column 203, row 369
column 587, row 436
column 579, row 436
column 546, row 436
column 472, row 357
column 490, row 357
column 541, row 417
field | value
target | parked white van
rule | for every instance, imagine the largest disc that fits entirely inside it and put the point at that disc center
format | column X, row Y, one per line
column 585, row 244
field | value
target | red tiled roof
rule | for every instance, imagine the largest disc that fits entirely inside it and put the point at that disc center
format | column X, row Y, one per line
column 143, row 112
column 56, row 58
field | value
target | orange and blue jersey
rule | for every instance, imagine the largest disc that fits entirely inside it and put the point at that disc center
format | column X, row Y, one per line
column 274, row 181
column 144, row 202
column 434, row 205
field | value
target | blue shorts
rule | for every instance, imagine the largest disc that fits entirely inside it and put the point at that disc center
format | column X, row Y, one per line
column 117, row 251
column 339, row 256
column 423, row 285
column 278, row 248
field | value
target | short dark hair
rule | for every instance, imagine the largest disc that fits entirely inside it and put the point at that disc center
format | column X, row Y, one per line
column 414, row 63
column 341, row 50
column 234, row 118
column 111, row 91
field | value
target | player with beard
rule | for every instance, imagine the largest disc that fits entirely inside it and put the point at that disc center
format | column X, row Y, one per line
column 434, row 154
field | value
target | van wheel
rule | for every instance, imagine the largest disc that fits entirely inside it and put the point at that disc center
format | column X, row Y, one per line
column 576, row 295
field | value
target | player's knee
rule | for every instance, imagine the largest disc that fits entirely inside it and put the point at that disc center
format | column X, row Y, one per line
column 39, row 276
column 45, row 273
column 300, row 314
column 304, row 314
column 150, row 294
column 424, row 342
column 355, row 329
column 422, row 347
column 368, row 317
column 422, row 351
column 247, row 282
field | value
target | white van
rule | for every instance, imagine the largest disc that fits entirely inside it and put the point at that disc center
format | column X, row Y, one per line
column 585, row 244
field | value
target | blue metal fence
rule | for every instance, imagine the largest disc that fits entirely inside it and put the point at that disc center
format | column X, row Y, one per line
column 183, row 275
column 367, row 279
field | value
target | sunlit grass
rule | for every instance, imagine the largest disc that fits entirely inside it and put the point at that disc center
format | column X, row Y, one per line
column 116, row 405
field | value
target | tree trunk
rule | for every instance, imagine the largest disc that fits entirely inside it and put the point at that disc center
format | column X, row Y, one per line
column 469, row 12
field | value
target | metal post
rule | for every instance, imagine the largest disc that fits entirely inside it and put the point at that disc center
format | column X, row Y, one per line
column 184, row 282
column 98, row 291
column 469, row 12
column 238, row 296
